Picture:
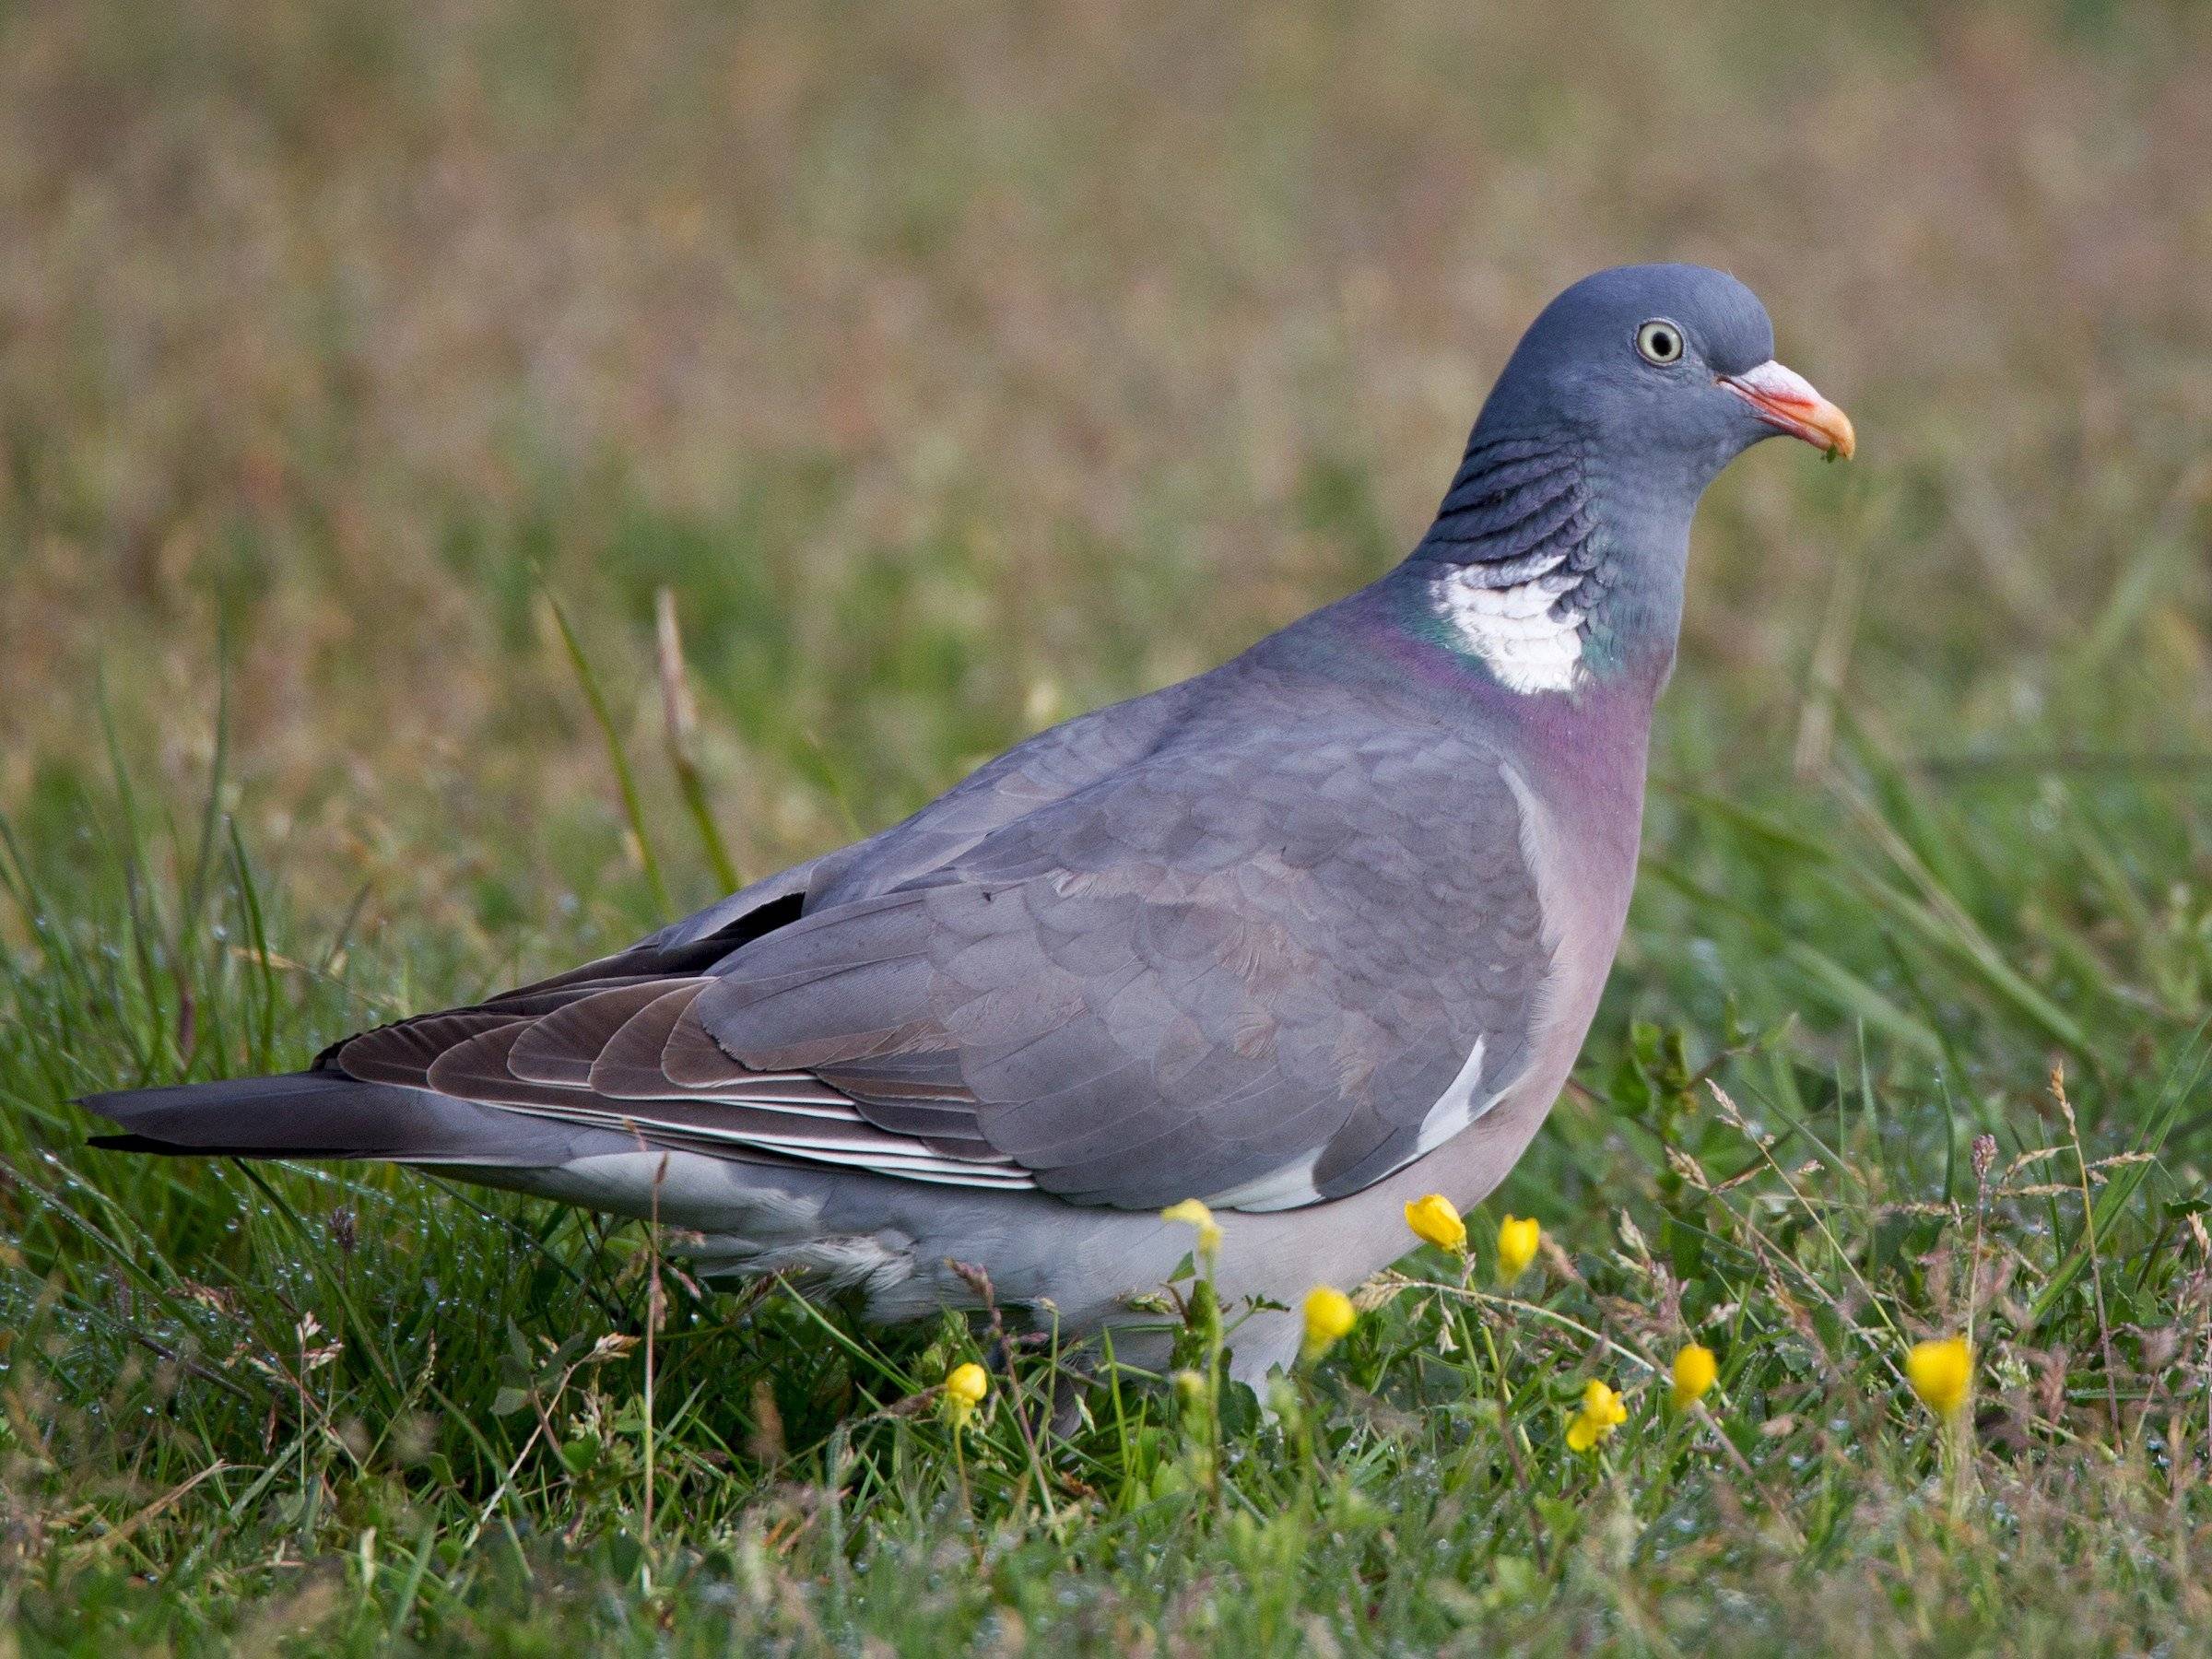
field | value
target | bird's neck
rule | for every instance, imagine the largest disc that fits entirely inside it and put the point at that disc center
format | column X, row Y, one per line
column 1544, row 575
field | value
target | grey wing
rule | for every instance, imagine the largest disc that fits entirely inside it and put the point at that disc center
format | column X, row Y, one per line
column 1266, row 974
column 587, row 1045
column 1261, row 972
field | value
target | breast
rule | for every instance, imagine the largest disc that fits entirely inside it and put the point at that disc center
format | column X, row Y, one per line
column 1585, row 873
column 1583, row 880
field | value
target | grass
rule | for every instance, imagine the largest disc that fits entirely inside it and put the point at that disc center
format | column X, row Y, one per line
column 381, row 388
column 337, row 1408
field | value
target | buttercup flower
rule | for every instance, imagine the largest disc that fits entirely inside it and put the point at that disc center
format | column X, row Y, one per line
column 1602, row 1413
column 1942, row 1373
column 1199, row 1216
column 1329, row 1317
column 1695, row 1369
column 1517, row 1239
column 1435, row 1220
column 965, row 1387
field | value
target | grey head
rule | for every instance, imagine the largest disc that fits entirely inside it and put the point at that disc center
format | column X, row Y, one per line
column 1558, row 556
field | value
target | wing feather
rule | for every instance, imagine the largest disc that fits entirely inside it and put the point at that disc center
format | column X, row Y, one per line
column 1236, row 965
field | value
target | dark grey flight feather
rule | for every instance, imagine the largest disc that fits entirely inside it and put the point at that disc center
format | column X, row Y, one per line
column 328, row 1114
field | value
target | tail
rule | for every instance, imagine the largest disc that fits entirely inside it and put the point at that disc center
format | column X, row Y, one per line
column 327, row 1114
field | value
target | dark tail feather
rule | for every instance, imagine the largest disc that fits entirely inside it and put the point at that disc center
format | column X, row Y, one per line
column 327, row 1114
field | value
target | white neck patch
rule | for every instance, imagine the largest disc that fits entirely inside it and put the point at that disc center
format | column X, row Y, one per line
column 1514, row 629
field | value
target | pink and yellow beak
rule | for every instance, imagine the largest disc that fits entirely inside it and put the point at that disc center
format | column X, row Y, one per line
column 1785, row 399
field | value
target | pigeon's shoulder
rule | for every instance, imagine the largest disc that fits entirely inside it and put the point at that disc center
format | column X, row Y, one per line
column 1332, row 784
column 1039, row 770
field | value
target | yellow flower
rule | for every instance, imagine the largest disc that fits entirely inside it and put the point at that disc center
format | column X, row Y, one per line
column 965, row 1387
column 1436, row 1221
column 1695, row 1369
column 1602, row 1413
column 1942, row 1373
column 1199, row 1216
column 1329, row 1317
column 1517, row 1238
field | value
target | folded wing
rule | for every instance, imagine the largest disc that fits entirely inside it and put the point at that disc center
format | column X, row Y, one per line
column 1247, row 972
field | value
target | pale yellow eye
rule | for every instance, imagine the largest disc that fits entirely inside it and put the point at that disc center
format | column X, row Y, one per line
column 1660, row 341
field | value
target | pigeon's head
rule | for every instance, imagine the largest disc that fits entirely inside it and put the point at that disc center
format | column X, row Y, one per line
column 1558, row 553
column 1667, row 371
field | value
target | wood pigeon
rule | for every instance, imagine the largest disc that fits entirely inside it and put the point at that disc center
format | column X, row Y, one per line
column 1306, row 936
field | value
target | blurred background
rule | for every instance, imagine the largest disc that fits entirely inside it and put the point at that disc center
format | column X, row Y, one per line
column 956, row 368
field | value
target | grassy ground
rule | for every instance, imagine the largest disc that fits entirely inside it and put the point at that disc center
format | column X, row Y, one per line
column 952, row 370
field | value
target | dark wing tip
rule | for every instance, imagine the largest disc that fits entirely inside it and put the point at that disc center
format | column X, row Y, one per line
column 136, row 1143
column 103, row 1104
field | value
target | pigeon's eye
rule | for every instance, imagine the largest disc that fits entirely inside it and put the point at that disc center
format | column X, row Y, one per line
column 1660, row 341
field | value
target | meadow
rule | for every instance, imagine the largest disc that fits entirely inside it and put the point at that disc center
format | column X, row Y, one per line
column 478, row 476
